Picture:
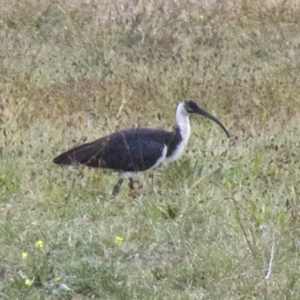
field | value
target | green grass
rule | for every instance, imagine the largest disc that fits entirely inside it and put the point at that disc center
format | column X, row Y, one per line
column 204, row 227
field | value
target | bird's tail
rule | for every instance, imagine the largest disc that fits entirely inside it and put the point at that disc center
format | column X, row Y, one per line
column 86, row 154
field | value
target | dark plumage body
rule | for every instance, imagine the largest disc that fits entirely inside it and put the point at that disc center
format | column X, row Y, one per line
column 131, row 150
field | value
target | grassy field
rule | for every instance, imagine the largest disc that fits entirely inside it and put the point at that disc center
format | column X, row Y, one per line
column 221, row 223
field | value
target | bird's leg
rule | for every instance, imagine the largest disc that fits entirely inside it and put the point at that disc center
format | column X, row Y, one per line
column 117, row 187
column 152, row 180
column 131, row 184
column 132, row 192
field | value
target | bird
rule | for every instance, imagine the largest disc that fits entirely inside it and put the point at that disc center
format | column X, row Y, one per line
column 137, row 149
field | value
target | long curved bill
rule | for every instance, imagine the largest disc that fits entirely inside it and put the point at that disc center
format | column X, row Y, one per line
column 203, row 113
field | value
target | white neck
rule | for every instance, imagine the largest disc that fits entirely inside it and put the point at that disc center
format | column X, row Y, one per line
column 183, row 123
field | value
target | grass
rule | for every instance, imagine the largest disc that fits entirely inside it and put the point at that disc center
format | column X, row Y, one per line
column 222, row 222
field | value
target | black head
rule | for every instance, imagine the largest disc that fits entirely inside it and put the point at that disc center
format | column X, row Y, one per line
column 193, row 108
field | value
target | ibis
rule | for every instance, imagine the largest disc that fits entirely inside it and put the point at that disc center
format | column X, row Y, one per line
column 138, row 149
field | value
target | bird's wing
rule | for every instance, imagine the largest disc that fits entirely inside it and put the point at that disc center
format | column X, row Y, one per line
column 136, row 149
column 131, row 150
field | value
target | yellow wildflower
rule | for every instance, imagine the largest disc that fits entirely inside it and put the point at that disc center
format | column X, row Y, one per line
column 24, row 255
column 28, row 282
column 39, row 244
column 118, row 239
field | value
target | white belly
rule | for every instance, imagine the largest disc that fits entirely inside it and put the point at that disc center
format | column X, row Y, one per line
column 178, row 151
column 127, row 175
column 162, row 158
